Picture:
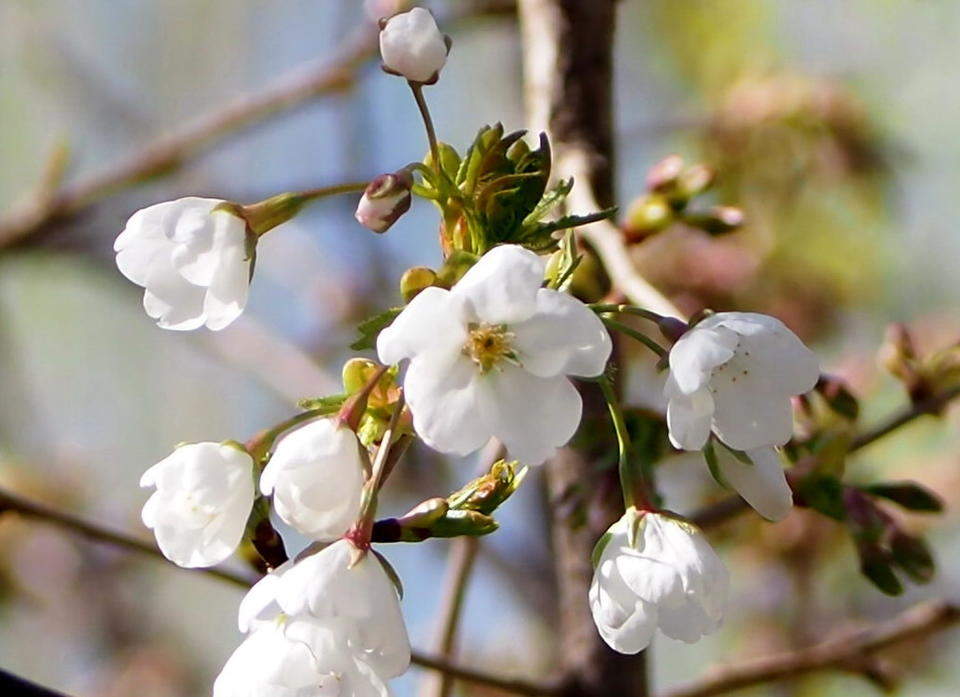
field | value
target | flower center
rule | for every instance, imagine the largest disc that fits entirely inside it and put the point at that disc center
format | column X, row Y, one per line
column 489, row 344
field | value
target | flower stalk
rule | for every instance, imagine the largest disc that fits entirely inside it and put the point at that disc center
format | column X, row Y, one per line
column 636, row 490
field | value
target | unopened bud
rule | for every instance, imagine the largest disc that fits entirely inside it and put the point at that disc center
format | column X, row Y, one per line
column 672, row 328
column 718, row 220
column 457, row 523
column 663, row 175
column 356, row 373
column 415, row 280
column 899, row 357
column 487, row 492
column 424, row 514
column 647, row 215
column 384, row 200
column 694, row 180
column 412, row 46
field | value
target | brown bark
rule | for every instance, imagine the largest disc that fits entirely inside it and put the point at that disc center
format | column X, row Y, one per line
column 568, row 60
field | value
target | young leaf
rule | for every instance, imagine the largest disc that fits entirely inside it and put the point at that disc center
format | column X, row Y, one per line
column 370, row 328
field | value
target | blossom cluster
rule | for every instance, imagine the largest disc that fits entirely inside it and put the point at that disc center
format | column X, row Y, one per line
column 487, row 347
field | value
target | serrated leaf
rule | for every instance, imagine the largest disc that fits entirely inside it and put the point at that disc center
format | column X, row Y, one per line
column 572, row 221
column 370, row 328
column 550, row 200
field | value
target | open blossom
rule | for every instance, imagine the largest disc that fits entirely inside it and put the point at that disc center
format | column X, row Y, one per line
column 734, row 373
column 384, row 200
column 761, row 482
column 491, row 358
column 361, row 597
column 297, row 657
column 412, row 45
column 203, row 499
column 669, row 579
column 316, row 476
column 191, row 260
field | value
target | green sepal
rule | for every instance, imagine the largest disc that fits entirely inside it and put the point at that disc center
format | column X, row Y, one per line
column 323, row 405
column 598, row 548
column 390, row 572
column 909, row 495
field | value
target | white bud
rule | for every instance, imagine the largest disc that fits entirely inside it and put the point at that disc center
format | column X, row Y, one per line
column 316, row 477
column 669, row 578
column 412, row 45
column 191, row 258
column 203, row 499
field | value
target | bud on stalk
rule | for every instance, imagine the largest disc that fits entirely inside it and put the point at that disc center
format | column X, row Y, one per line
column 384, row 200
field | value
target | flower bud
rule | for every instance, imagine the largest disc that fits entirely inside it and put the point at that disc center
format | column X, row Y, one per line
column 487, row 492
column 647, row 215
column 415, row 280
column 384, row 200
column 412, row 46
column 694, row 180
column 718, row 220
column 425, row 513
column 663, row 175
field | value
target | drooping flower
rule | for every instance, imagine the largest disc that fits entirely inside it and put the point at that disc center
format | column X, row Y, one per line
column 316, row 476
column 669, row 578
column 734, row 373
column 203, row 499
column 384, row 200
column 361, row 597
column 761, row 482
column 297, row 657
column 491, row 358
column 413, row 46
column 192, row 261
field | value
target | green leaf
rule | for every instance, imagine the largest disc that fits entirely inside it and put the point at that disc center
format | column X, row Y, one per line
column 572, row 221
column 909, row 495
column 550, row 200
column 370, row 328
column 913, row 556
column 880, row 573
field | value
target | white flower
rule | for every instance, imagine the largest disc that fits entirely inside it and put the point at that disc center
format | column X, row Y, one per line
column 202, row 502
column 670, row 578
column 490, row 358
column 297, row 657
column 762, row 484
column 191, row 260
column 384, row 200
column 412, row 45
column 316, row 476
column 734, row 373
column 360, row 597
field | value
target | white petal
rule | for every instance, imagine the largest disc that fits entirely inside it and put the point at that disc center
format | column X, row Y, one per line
column 774, row 351
column 697, row 353
column 171, row 300
column 412, row 45
column 564, row 337
column 625, row 622
column 429, row 322
column 316, row 478
column 441, row 391
column 230, row 284
column 198, row 232
column 763, row 485
column 502, row 287
column 532, row 416
column 749, row 412
column 688, row 416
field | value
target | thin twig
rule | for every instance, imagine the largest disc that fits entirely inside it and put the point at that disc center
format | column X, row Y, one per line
column 460, row 560
column 841, row 653
column 716, row 513
column 167, row 153
column 98, row 533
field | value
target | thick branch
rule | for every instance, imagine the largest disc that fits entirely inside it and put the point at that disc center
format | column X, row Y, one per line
column 846, row 652
column 720, row 512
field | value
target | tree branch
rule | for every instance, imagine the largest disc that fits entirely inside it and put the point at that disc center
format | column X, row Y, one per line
column 13, row 503
column 167, row 153
column 715, row 514
column 845, row 652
